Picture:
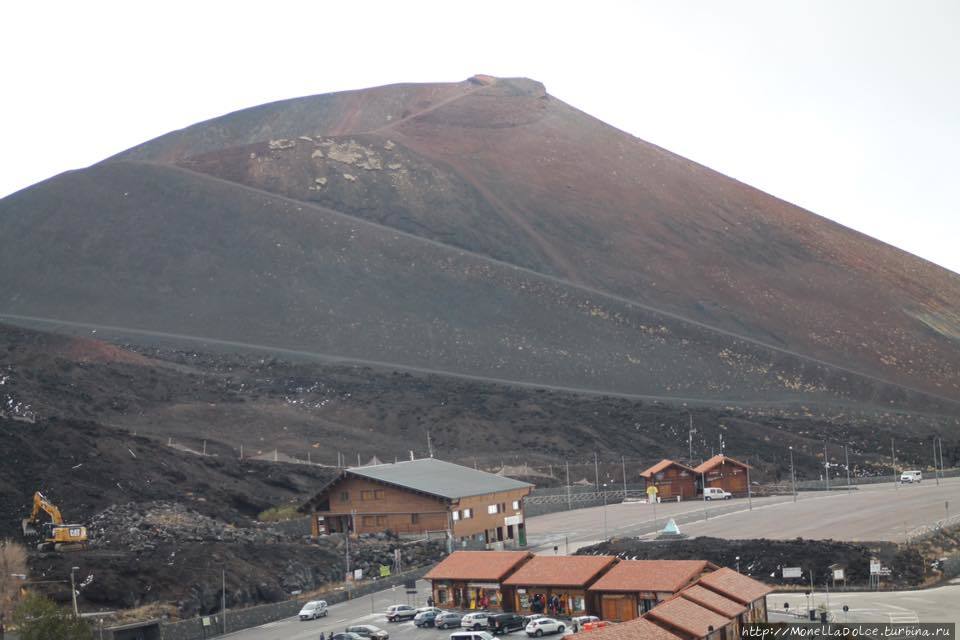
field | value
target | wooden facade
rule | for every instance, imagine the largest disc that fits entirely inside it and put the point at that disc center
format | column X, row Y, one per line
column 356, row 503
column 633, row 587
column 725, row 473
column 672, row 480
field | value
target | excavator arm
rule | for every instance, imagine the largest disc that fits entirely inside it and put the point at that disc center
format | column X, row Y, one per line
column 40, row 503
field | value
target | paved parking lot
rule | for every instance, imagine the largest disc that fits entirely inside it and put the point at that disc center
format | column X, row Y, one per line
column 870, row 512
column 365, row 610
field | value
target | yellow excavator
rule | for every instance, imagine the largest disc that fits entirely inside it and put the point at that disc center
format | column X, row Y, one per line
column 56, row 536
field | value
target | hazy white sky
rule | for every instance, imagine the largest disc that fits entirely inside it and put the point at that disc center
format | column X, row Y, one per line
column 848, row 108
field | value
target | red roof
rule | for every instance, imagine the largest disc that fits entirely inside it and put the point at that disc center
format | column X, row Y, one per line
column 636, row 629
column 716, row 461
column 660, row 466
column 560, row 571
column 650, row 575
column 735, row 586
column 713, row 601
column 490, row 566
column 688, row 617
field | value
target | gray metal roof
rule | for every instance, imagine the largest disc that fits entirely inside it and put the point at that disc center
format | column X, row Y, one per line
column 439, row 478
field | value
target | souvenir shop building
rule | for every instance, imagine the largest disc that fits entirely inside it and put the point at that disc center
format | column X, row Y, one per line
column 474, row 579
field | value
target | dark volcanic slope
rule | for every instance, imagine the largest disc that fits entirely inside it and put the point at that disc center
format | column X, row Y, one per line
column 589, row 203
column 501, row 169
column 167, row 250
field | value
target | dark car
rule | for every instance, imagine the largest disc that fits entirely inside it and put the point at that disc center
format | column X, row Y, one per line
column 426, row 618
column 505, row 623
column 346, row 635
column 369, row 631
column 447, row 620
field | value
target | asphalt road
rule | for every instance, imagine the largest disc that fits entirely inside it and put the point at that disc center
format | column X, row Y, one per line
column 870, row 512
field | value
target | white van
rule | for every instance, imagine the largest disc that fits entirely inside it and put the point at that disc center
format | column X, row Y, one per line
column 716, row 493
column 472, row 635
column 313, row 610
column 911, row 476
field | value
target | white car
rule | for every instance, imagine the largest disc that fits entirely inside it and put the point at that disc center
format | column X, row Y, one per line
column 716, row 493
column 542, row 626
column 398, row 612
column 476, row 620
column 911, row 477
column 313, row 610
column 471, row 635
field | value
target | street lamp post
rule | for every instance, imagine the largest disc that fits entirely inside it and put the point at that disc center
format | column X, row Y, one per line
column 73, row 590
column 604, row 510
column 738, row 564
column 846, row 455
column 703, row 483
column 793, row 478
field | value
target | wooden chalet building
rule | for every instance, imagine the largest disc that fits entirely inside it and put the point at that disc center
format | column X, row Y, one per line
column 726, row 473
column 714, row 607
column 633, row 587
column 474, row 579
column 420, row 496
column 568, row 578
column 672, row 480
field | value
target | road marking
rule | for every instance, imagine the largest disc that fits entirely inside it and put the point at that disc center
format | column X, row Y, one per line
column 904, row 618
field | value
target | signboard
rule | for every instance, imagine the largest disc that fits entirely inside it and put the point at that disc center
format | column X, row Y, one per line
column 358, row 574
column 484, row 585
column 384, row 571
column 205, row 621
column 513, row 520
column 838, row 574
column 874, row 567
column 792, row 572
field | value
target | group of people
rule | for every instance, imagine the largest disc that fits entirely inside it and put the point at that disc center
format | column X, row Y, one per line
column 553, row 605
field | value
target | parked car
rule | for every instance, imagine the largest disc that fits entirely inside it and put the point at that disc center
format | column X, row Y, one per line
column 369, row 631
column 471, row 635
column 447, row 620
column 578, row 622
column 505, row 623
column 313, row 610
column 716, row 493
column 543, row 626
column 911, row 476
column 346, row 635
column 398, row 612
column 426, row 617
column 476, row 620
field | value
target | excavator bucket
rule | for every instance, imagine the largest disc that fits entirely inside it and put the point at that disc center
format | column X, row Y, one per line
column 28, row 527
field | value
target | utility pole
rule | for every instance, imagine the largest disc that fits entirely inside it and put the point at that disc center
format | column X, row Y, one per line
column 936, row 473
column 430, row 445
column 893, row 454
column 223, row 601
column 846, row 455
column 623, row 466
column 596, row 470
column 826, row 465
column 749, row 496
column 940, row 440
column 566, row 464
column 73, row 590
column 690, row 433
column 703, row 483
column 793, row 477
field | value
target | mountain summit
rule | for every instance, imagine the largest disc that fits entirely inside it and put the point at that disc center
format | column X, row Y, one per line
column 481, row 228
